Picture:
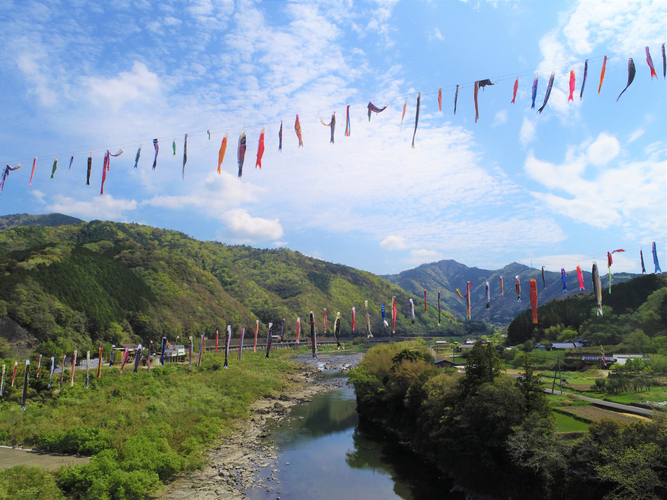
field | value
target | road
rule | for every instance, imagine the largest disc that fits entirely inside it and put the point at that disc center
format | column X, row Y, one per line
column 609, row 405
column 9, row 457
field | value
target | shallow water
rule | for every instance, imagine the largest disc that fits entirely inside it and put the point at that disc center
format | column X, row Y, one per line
column 334, row 455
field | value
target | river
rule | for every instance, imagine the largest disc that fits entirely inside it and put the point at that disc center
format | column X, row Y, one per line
column 324, row 451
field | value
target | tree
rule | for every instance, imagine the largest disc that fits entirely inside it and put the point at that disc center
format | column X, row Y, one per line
column 483, row 366
column 536, row 400
column 638, row 341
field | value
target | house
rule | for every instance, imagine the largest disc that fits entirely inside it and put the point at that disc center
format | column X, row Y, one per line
column 542, row 347
column 566, row 345
column 444, row 363
column 584, row 342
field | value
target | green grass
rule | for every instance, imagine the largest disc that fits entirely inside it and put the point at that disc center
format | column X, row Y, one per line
column 566, row 423
column 140, row 428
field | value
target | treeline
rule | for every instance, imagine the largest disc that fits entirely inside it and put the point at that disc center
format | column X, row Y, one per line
column 495, row 434
column 637, row 304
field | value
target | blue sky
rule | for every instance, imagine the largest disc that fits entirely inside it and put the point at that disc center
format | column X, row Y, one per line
column 557, row 189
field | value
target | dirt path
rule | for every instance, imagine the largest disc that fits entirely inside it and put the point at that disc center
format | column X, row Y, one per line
column 232, row 464
column 9, row 457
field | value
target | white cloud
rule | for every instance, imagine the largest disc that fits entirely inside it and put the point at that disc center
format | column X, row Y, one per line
column 104, row 207
column 422, row 256
column 436, row 35
column 632, row 194
column 394, row 242
column 604, row 149
column 38, row 195
column 636, row 134
column 243, row 228
column 500, row 118
column 127, row 86
column 527, row 133
column 280, row 243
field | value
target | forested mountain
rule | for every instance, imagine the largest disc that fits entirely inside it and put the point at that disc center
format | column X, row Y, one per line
column 448, row 275
column 46, row 220
column 104, row 281
column 637, row 307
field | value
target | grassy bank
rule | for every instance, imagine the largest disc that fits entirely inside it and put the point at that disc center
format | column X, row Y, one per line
column 140, row 429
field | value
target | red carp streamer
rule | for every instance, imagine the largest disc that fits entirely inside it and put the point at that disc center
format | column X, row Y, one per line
column 260, row 150
column 501, row 286
column 393, row 314
column 580, row 277
column 572, row 84
column 353, row 318
column 533, row 299
column 298, row 329
column 440, row 99
column 516, row 87
column 649, row 60
column 424, row 300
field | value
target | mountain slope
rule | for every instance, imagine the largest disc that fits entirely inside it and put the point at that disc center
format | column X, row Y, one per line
column 103, row 281
column 448, row 275
column 45, row 220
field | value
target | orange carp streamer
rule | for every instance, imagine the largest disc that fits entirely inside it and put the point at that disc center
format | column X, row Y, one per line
column 604, row 68
column 221, row 153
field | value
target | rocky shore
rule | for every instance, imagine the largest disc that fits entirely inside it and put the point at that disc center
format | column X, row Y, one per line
column 243, row 461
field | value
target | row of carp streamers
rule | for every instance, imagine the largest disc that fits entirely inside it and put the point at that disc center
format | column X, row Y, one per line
column 597, row 285
column 597, row 289
column 372, row 108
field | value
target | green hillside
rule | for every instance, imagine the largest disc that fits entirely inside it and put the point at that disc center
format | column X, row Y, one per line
column 636, row 305
column 46, row 220
column 448, row 275
column 104, row 281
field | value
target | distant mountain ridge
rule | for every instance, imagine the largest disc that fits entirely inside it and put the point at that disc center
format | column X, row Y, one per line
column 448, row 275
column 44, row 220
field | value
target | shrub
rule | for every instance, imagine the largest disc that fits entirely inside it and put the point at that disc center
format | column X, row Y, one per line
column 80, row 439
column 27, row 483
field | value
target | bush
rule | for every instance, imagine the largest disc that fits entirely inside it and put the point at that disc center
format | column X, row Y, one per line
column 81, row 440
column 28, row 483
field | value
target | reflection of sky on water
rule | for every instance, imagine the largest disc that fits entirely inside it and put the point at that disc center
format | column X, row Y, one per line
column 332, row 455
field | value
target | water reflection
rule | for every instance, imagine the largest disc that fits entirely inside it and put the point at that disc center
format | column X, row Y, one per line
column 334, row 455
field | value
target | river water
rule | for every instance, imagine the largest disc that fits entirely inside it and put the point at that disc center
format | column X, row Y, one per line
column 324, row 451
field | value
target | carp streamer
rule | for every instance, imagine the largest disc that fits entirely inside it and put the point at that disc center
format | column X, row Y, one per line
column 228, row 340
column 534, row 93
column 649, row 61
column 384, row 318
column 393, row 314
column 583, row 82
column 456, row 97
column 610, row 261
column 55, row 167
column 655, row 259
column 548, row 93
column 424, row 300
column 517, row 284
column 298, row 329
column 572, row 84
column 604, row 68
column 516, row 87
column 439, row 102
column 353, row 318
column 641, row 259
column 280, row 137
column 34, row 164
column 297, row 129
column 412, row 311
column 488, row 295
column 533, row 299
column 241, row 342
column 544, row 282
column 260, row 150
column 156, row 145
column 580, row 277
column 254, row 347
column 136, row 158
column 268, row 340
column 5, row 174
column 90, row 168
column 185, row 154
column 501, row 286
column 347, row 122
column 325, row 321
column 597, row 289
column 438, row 307
column 405, row 106
column 372, row 108
column 414, row 134
column 313, row 335
column 368, row 321
column 240, row 153
column 467, row 296
column 631, row 76
column 336, row 330
column 563, row 277
column 332, row 124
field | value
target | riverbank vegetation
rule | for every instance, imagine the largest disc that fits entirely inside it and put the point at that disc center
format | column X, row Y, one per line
column 139, row 429
column 497, row 435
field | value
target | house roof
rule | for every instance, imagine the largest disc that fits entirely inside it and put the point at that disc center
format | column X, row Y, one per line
column 566, row 345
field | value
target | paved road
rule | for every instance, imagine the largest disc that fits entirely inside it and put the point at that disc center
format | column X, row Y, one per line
column 609, row 405
column 9, row 457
